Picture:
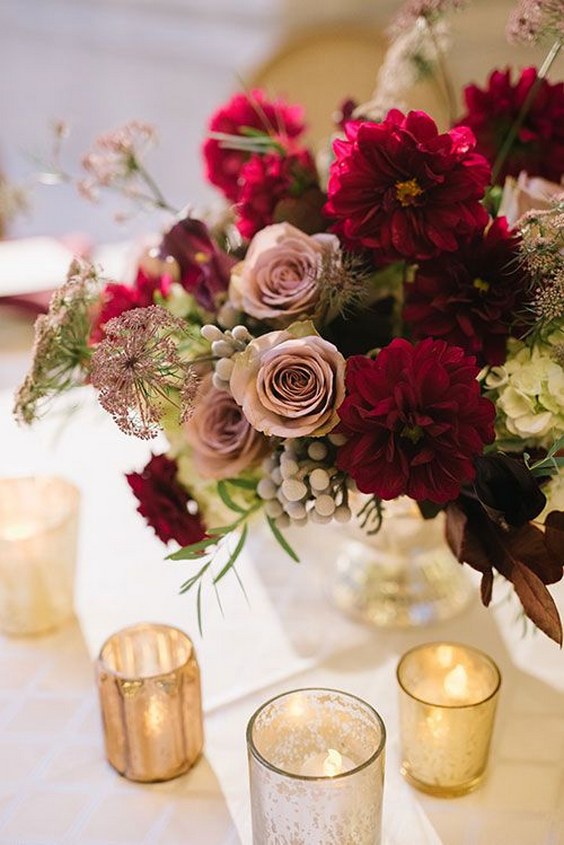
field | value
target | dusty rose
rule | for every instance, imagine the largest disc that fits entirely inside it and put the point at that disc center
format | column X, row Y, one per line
column 279, row 278
column 527, row 193
column 223, row 441
column 290, row 383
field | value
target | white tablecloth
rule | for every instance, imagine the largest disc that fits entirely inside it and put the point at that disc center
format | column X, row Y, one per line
column 55, row 787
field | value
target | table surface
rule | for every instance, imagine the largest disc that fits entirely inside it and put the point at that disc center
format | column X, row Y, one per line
column 55, row 786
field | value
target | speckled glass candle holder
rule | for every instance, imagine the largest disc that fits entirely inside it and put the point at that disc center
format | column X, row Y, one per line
column 448, row 698
column 38, row 544
column 316, row 763
column 149, row 685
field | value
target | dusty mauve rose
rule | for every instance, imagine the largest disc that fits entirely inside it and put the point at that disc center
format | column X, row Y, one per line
column 290, row 383
column 224, row 443
column 279, row 278
column 527, row 193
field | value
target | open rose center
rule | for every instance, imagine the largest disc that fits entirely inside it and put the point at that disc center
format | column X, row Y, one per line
column 408, row 192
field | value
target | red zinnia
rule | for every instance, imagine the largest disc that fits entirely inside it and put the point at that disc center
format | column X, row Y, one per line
column 404, row 190
column 267, row 180
column 539, row 146
column 117, row 298
column 163, row 501
column 414, row 419
column 470, row 298
column 247, row 111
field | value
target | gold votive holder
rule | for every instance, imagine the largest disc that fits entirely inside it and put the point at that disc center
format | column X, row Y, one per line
column 150, row 696
column 316, row 764
column 38, row 545
column 448, row 697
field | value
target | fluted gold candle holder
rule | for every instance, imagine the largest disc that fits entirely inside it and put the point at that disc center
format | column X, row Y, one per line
column 316, row 765
column 448, row 698
column 38, row 543
column 149, row 684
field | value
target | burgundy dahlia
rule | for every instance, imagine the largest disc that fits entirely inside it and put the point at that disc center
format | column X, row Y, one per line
column 269, row 180
column 163, row 501
column 415, row 420
column 118, row 298
column 204, row 267
column 539, row 146
column 404, row 190
column 243, row 112
column 471, row 298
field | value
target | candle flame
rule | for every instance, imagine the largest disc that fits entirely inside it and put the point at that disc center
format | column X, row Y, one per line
column 456, row 682
column 18, row 531
column 445, row 655
column 333, row 763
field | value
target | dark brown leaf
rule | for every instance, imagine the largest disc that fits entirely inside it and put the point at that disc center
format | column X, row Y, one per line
column 486, row 587
column 462, row 534
column 528, row 544
column 537, row 602
column 554, row 536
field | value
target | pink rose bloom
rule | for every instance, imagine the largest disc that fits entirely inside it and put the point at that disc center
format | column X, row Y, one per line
column 222, row 439
column 527, row 193
column 290, row 383
column 279, row 278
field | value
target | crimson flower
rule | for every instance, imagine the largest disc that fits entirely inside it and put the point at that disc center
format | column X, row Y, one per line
column 204, row 268
column 470, row 298
column 164, row 502
column 118, row 298
column 404, row 190
column 243, row 112
column 414, row 419
column 490, row 112
column 268, row 182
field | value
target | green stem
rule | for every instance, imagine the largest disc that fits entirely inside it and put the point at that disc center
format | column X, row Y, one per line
column 158, row 196
column 525, row 108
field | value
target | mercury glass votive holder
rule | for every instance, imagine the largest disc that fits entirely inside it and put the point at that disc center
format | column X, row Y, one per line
column 150, row 696
column 38, row 545
column 448, row 697
column 316, row 764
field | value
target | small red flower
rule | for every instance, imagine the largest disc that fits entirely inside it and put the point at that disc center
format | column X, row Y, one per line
column 404, row 190
column 471, row 298
column 414, row 419
column 117, row 298
column 266, row 181
column 539, row 146
column 164, row 502
column 204, row 268
column 246, row 111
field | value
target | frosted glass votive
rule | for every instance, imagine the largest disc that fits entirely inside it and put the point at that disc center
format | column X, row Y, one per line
column 316, row 764
column 38, row 543
column 448, row 698
column 149, row 685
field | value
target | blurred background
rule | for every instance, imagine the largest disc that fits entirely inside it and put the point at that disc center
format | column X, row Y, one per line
column 96, row 64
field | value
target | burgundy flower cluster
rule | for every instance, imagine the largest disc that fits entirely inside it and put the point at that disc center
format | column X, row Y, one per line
column 260, row 183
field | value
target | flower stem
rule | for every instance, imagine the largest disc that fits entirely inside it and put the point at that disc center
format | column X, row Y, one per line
column 525, row 108
column 158, row 196
column 447, row 86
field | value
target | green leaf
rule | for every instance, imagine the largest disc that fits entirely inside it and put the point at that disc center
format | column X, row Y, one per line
column 187, row 585
column 233, row 556
column 282, row 540
column 195, row 550
column 243, row 483
column 226, row 498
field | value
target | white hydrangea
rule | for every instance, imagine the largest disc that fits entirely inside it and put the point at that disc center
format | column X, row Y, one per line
column 529, row 392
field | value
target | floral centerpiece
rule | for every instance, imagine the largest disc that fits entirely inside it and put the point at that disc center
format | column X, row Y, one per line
column 391, row 324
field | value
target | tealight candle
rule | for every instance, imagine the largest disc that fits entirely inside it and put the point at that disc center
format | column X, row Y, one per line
column 38, row 540
column 316, row 763
column 448, row 697
column 149, row 685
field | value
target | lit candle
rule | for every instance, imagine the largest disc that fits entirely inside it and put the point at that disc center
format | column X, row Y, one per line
column 38, row 539
column 301, row 795
column 327, row 765
column 448, row 696
column 149, row 686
